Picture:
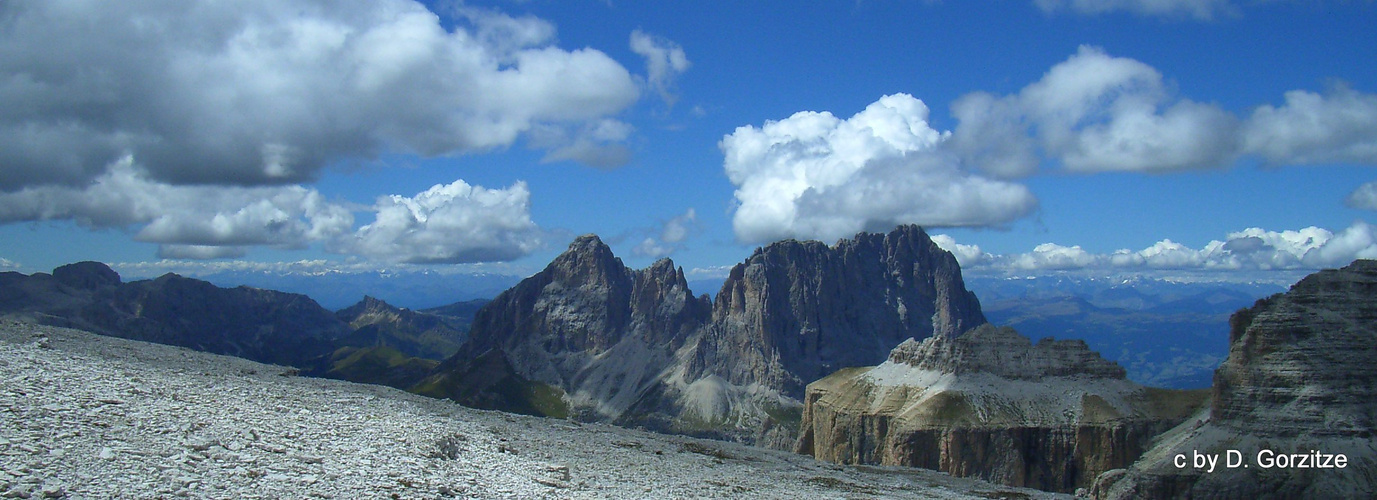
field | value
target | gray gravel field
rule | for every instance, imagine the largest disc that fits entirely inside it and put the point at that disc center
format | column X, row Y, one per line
column 86, row 416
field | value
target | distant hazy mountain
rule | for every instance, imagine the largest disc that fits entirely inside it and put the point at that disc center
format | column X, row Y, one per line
column 1165, row 333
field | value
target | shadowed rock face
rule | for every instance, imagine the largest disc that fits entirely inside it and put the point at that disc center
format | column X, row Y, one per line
column 796, row 311
column 586, row 325
column 990, row 404
column 86, row 275
column 1301, row 377
column 635, row 346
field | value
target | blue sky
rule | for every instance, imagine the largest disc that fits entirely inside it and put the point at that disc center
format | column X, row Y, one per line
column 1105, row 136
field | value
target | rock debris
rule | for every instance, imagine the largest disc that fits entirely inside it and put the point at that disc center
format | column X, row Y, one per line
column 86, row 416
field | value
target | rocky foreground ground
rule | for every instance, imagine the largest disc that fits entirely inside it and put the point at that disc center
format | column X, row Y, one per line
column 86, row 416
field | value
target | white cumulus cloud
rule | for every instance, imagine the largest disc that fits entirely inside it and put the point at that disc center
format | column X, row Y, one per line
column 966, row 255
column 453, row 223
column 598, row 144
column 1252, row 249
column 677, row 229
column 268, row 92
column 670, row 238
column 1339, row 126
column 1053, row 256
column 124, row 196
column 1364, row 197
column 664, row 60
column 1092, row 112
column 1095, row 113
column 650, row 247
column 816, row 176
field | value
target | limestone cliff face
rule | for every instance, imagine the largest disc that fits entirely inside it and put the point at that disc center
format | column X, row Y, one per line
column 990, row 404
column 1301, row 376
column 1004, row 353
column 636, row 347
column 1304, row 362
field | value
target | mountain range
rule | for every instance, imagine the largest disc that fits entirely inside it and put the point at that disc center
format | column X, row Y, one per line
column 590, row 338
column 871, row 351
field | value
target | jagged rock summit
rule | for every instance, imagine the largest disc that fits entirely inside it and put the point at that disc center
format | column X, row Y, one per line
column 586, row 334
column 1301, row 378
column 803, row 309
column 637, row 347
column 990, row 404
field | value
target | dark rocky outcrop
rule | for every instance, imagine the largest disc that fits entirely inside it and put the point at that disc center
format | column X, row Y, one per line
column 86, row 275
column 1301, row 377
column 990, row 404
column 638, row 348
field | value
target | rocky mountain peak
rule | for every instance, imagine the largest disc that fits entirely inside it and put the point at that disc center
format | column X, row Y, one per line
column 86, row 275
column 806, row 309
column 636, row 346
column 589, row 260
column 368, row 304
column 369, row 307
column 1003, row 352
column 586, row 322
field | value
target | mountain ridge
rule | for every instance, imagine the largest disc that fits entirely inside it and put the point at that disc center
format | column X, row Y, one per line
column 638, row 348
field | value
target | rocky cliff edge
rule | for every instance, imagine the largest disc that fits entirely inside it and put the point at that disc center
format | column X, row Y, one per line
column 1299, row 388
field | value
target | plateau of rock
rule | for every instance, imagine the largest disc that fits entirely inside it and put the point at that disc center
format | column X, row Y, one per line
column 991, row 404
column 1300, row 381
